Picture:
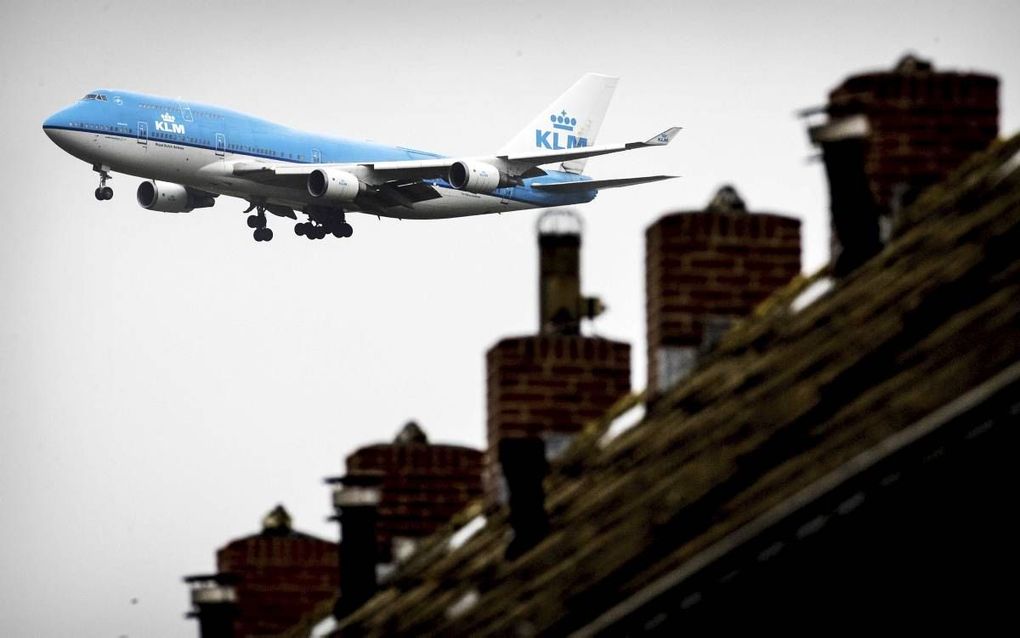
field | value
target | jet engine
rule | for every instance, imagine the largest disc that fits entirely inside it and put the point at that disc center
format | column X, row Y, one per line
column 167, row 197
column 334, row 185
column 475, row 177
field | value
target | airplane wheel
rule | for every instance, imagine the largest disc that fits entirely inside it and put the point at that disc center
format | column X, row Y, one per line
column 299, row 229
column 99, row 194
column 256, row 221
column 347, row 230
column 106, row 192
column 267, row 234
column 320, row 232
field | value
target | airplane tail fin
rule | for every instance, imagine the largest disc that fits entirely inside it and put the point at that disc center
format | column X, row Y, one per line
column 572, row 120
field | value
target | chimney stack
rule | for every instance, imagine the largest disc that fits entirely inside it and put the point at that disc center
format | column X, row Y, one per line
column 856, row 234
column 214, row 603
column 704, row 269
column 423, row 485
column 524, row 468
column 550, row 385
column 893, row 134
column 297, row 571
column 560, row 304
column 356, row 501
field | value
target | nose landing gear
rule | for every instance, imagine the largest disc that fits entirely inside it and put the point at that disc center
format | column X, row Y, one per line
column 104, row 192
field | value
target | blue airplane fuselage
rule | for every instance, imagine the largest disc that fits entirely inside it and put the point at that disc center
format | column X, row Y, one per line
column 196, row 145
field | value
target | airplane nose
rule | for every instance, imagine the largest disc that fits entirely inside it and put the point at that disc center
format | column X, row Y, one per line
column 58, row 128
column 55, row 122
column 50, row 124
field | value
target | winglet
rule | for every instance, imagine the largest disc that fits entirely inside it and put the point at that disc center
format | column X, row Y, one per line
column 664, row 137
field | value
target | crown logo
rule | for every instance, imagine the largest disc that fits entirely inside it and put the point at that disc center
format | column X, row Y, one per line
column 166, row 117
column 562, row 121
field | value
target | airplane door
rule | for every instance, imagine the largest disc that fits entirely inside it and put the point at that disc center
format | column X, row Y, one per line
column 221, row 144
column 316, row 156
column 143, row 133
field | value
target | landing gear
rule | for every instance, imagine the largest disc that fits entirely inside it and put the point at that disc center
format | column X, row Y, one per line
column 310, row 230
column 104, row 192
column 258, row 222
column 324, row 222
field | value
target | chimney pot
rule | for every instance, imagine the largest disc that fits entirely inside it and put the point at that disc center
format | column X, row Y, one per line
column 524, row 467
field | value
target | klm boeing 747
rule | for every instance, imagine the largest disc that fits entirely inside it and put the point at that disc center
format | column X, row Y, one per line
column 189, row 154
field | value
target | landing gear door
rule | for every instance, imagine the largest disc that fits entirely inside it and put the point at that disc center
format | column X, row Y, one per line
column 143, row 133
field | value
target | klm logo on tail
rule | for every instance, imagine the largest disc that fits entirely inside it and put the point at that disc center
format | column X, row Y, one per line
column 551, row 139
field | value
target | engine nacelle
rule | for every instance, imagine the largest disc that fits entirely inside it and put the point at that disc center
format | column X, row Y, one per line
column 167, row 197
column 475, row 177
column 334, row 185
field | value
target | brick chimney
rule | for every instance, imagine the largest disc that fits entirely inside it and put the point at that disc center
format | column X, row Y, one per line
column 551, row 385
column 904, row 129
column 423, row 486
column 267, row 582
column 705, row 269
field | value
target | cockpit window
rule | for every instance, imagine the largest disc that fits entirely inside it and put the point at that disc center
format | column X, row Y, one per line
column 90, row 96
column 95, row 96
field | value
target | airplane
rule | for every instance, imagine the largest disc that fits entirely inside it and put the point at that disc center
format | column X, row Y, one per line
column 189, row 154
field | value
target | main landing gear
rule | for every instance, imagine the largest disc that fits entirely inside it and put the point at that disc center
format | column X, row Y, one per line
column 258, row 222
column 322, row 224
column 104, row 192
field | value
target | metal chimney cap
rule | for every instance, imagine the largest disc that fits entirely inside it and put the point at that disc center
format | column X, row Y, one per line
column 411, row 433
column 277, row 520
column 727, row 200
column 911, row 63
column 559, row 221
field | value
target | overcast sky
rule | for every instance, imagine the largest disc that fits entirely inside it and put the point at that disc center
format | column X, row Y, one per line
column 165, row 380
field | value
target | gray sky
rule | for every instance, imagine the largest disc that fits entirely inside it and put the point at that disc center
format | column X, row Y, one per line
column 164, row 380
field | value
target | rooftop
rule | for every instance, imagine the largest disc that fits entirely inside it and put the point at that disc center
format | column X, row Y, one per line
column 786, row 401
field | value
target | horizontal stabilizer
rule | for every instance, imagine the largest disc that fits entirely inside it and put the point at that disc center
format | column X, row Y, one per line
column 599, row 184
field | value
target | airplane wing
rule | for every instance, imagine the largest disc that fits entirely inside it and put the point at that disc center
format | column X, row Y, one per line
column 598, row 184
column 408, row 171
